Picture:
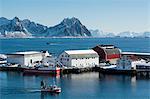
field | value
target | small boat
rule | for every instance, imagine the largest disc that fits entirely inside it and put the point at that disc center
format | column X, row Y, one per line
column 50, row 89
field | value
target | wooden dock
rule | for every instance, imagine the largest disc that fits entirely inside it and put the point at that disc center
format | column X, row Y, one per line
column 138, row 72
column 143, row 72
column 76, row 70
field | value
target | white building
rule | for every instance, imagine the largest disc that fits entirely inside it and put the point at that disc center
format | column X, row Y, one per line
column 26, row 58
column 125, row 63
column 143, row 65
column 79, row 58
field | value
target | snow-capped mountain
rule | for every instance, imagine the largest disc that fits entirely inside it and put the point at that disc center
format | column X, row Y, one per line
column 34, row 29
column 26, row 28
column 97, row 33
column 146, row 34
column 68, row 27
column 129, row 34
column 20, row 28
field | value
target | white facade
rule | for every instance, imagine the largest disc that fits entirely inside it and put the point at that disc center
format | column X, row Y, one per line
column 25, row 58
column 143, row 65
column 125, row 63
column 79, row 58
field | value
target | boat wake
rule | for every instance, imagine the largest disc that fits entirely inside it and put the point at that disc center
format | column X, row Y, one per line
column 34, row 90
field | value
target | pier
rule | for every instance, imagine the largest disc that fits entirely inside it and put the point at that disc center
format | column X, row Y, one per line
column 143, row 72
column 76, row 70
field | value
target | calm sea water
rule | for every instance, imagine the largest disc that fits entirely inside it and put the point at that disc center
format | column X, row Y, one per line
column 57, row 45
column 15, row 85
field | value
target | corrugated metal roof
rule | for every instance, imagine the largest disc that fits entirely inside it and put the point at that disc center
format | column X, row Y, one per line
column 82, row 53
column 25, row 53
column 109, row 49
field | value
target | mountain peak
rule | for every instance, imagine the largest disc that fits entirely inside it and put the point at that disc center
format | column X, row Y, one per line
column 70, row 21
column 15, row 18
column 69, row 27
column 3, row 18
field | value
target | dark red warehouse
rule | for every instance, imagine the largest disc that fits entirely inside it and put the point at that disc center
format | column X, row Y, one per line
column 108, row 53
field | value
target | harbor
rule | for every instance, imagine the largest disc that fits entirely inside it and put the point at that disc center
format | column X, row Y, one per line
column 87, row 84
column 107, row 59
column 75, row 49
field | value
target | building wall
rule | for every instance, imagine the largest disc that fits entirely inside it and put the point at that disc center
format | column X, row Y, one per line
column 101, row 53
column 18, row 59
column 27, row 60
column 31, row 59
column 67, row 61
column 104, row 56
column 124, row 63
column 85, row 62
column 113, row 56
column 113, row 61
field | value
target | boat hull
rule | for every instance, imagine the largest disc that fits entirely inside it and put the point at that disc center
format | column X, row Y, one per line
column 42, row 71
column 51, row 91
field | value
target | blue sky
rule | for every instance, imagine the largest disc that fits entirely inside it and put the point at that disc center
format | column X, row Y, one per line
column 107, row 15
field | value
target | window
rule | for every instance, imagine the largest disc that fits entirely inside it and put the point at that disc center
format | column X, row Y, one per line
column 30, row 60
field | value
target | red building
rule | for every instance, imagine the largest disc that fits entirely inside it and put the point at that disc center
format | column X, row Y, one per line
column 108, row 53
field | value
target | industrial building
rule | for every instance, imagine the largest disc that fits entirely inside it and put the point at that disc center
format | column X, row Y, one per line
column 108, row 53
column 28, row 58
column 128, row 63
column 79, row 58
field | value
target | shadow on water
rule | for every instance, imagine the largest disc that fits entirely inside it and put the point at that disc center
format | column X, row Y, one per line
column 103, row 76
column 84, row 85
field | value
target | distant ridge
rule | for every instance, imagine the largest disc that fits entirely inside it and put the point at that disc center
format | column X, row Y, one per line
column 126, row 34
column 26, row 28
column 68, row 28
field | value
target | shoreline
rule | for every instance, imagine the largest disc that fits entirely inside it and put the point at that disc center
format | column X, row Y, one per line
column 64, row 37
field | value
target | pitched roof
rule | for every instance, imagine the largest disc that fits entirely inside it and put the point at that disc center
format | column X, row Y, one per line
column 109, row 49
column 25, row 53
column 82, row 53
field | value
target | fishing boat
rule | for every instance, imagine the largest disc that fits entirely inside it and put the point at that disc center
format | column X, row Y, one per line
column 50, row 89
column 43, row 70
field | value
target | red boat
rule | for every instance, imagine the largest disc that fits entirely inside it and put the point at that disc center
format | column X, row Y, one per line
column 50, row 89
column 43, row 70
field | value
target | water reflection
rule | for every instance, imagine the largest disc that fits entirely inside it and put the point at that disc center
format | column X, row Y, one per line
column 44, row 95
column 85, row 85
